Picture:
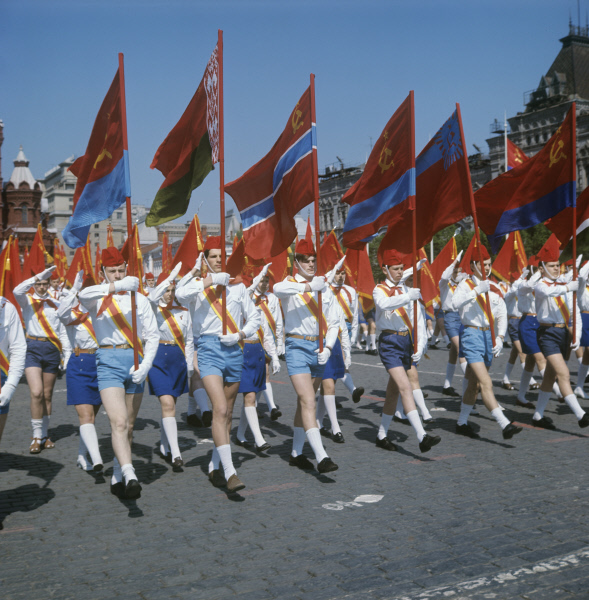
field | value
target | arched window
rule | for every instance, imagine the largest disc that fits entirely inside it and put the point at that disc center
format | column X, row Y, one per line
column 24, row 219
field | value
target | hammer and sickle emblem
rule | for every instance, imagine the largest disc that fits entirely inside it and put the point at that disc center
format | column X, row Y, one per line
column 296, row 121
column 382, row 160
column 518, row 157
column 104, row 152
column 556, row 153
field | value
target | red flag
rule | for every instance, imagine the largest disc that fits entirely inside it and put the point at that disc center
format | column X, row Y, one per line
column 110, row 243
column 511, row 260
column 166, row 255
column 442, row 261
column 469, row 256
column 236, row 262
column 97, row 263
column 131, row 252
column 75, row 266
column 281, row 267
column 190, row 247
column 35, row 261
column 430, row 289
column 361, row 276
column 515, row 155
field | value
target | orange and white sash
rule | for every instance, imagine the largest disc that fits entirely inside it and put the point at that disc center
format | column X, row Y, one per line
column 44, row 322
column 262, row 302
column 401, row 312
column 112, row 308
column 4, row 364
column 480, row 298
column 216, row 301
column 173, row 325
column 561, row 303
column 83, row 318
column 337, row 291
column 313, row 307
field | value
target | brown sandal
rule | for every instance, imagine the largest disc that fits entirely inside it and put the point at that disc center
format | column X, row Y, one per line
column 47, row 444
column 35, row 447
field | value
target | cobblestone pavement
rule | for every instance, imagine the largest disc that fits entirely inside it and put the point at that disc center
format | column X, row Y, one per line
column 470, row 519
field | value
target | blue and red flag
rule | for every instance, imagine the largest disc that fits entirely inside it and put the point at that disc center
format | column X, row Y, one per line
column 103, row 171
column 515, row 155
column 387, row 186
column 535, row 191
column 442, row 190
column 275, row 189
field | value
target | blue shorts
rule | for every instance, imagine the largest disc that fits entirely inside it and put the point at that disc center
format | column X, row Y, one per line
column 585, row 334
column 528, row 326
column 253, row 376
column 361, row 317
column 82, row 380
column 113, row 366
column 439, row 314
column 371, row 314
column 513, row 328
column 215, row 358
column 335, row 367
column 476, row 346
column 169, row 374
column 554, row 340
column 43, row 355
column 395, row 350
column 302, row 358
column 452, row 323
column 3, row 409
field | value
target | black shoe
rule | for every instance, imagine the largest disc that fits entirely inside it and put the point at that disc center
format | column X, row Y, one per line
column 193, row 421
column 118, row 489
column 217, row 478
column 327, row 466
column 450, row 391
column 449, row 346
column 207, row 418
column 428, row 442
column 338, row 438
column 132, row 490
column 386, row 444
column 338, row 405
column 357, row 394
column 584, row 422
column 263, row 447
column 177, row 465
column 374, row 352
column 325, row 432
column 467, row 431
column 260, row 415
column 302, row 462
column 510, row 431
column 399, row 420
column 274, row 414
column 97, row 467
column 425, row 394
column 544, row 423
column 244, row 444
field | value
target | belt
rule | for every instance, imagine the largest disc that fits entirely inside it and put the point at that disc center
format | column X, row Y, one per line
column 309, row 338
column 166, row 343
column 528, row 314
column 515, row 317
column 392, row 331
column 115, row 347
column 78, row 351
column 479, row 328
column 559, row 325
column 38, row 339
column 585, row 312
column 251, row 342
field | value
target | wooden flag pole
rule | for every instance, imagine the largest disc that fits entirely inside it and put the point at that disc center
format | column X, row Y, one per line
column 476, row 226
column 414, row 220
column 574, row 178
column 222, row 174
column 133, row 250
column 316, row 215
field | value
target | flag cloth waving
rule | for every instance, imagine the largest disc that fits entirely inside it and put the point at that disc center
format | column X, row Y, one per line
column 515, row 155
column 275, row 189
column 103, row 171
column 387, row 186
column 562, row 227
column 511, row 260
column 190, row 150
column 535, row 191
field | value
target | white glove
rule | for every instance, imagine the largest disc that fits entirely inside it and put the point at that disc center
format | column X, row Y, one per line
column 414, row 294
column 6, row 394
column 198, row 263
column 338, row 266
column 483, row 287
column 457, row 259
column 584, row 271
column 220, row 278
column 139, row 375
column 461, row 277
column 579, row 260
column 280, row 350
column 536, row 277
column 574, row 347
column 497, row 347
column 46, row 274
column 318, row 284
column 127, row 284
column 174, row 273
column 406, row 274
column 417, row 357
column 573, row 286
column 275, row 365
column 525, row 273
column 256, row 280
column 78, row 282
column 230, row 339
column 190, row 372
column 347, row 360
column 323, row 357
column 421, row 263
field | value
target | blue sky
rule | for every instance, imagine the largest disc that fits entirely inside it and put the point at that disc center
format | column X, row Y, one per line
column 57, row 59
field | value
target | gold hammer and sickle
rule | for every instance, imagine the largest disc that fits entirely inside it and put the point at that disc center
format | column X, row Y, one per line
column 104, row 152
column 296, row 121
column 556, row 153
column 382, row 160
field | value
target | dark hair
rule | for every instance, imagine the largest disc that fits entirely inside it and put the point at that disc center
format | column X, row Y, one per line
column 299, row 257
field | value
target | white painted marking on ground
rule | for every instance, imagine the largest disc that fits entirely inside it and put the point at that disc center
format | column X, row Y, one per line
column 554, row 564
column 369, row 498
column 359, row 501
column 205, row 441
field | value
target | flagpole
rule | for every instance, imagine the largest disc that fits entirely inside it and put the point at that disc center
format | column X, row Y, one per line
column 222, row 173
column 505, row 139
column 129, row 216
column 316, row 205
column 414, row 218
column 574, row 178
column 476, row 225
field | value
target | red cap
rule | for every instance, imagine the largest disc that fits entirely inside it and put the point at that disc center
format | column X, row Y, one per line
column 475, row 256
column 88, row 281
column 149, row 276
column 213, row 243
column 392, row 257
column 163, row 275
column 305, row 247
column 54, row 276
column 548, row 254
column 111, row 257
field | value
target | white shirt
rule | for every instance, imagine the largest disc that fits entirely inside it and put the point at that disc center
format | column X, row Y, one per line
column 447, row 288
column 68, row 312
column 348, row 295
column 547, row 292
column 107, row 332
column 471, row 313
column 12, row 341
column 298, row 319
column 526, row 300
column 273, row 304
column 510, row 297
column 583, row 297
column 32, row 325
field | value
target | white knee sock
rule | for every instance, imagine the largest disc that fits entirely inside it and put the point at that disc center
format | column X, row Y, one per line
column 446, row 339
column 348, row 382
column 498, row 415
column 373, row 341
column 243, row 424
column 582, row 374
column 215, row 461
column 117, row 474
column 524, row 385
column 385, row 423
column 450, row 369
column 191, row 406
column 298, row 441
column 37, row 425
column 128, row 472
column 202, row 400
column 420, row 401
column 171, row 429
column 329, row 401
column 465, row 410
column 82, row 460
column 541, row 404
column 46, row 419
column 90, row 439
column 226, row 460
column 580, row 359
column 314, row 438
column 574, row 405
column 164, row 444
column 399, row 410
column 464, row 385
column 252, row 418
column 463, row 365
column 269, row 396
column 533, row 381
column 508, row 370
column 415, row 421
column 320, row 411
